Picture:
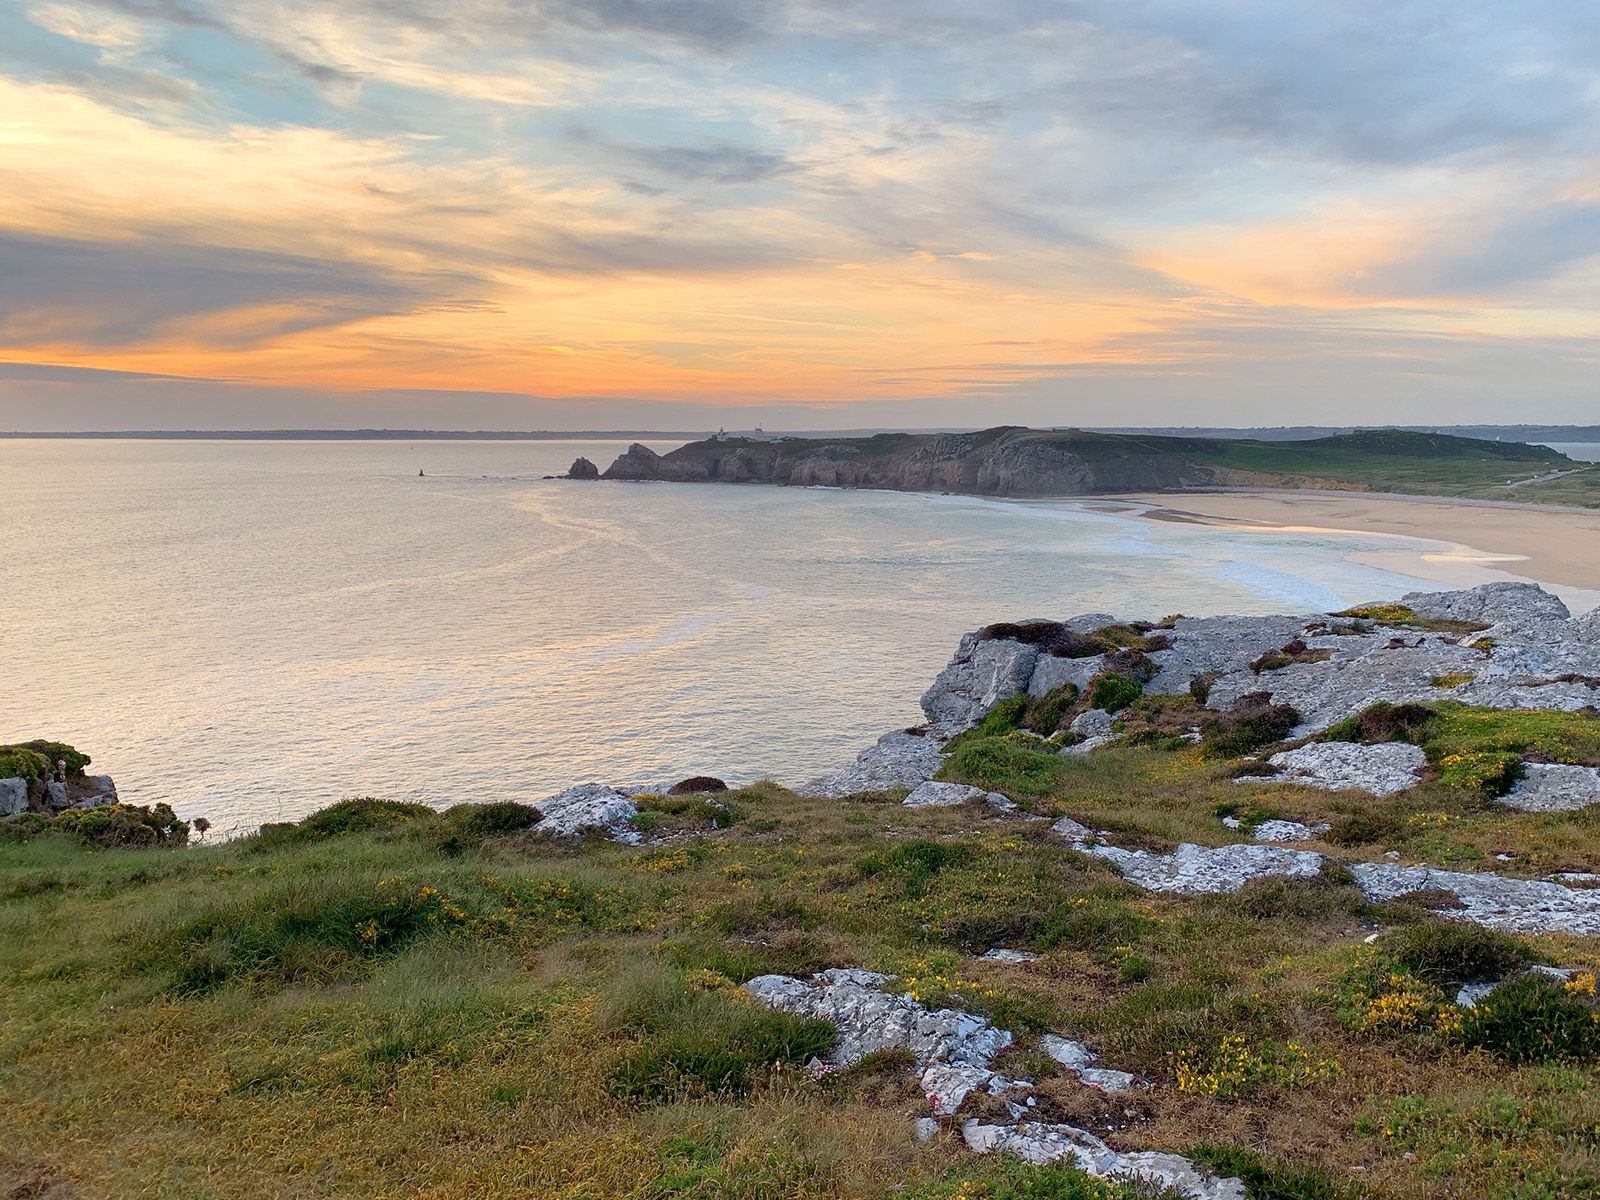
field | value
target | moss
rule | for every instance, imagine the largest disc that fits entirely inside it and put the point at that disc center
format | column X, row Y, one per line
column 1453, row 680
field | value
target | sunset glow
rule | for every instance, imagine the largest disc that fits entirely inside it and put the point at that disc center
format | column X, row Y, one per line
column 579, row 215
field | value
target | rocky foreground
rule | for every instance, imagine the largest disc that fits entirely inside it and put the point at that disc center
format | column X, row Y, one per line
column 1355, row 704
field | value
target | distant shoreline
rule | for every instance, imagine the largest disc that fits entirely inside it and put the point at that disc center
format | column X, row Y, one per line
column 1551, row 544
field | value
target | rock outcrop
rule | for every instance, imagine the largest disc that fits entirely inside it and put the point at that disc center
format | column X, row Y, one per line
column 954, row 1053
column 588, row 808
column 13, row 796
column 1531, row 654
column 582, row 468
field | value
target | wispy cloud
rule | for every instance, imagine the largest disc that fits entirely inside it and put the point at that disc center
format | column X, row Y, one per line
column 822, row 201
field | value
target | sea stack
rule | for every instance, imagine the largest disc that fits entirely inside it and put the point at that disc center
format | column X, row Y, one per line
column 582, row 468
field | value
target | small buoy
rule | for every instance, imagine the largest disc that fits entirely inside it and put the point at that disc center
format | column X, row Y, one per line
column 419, row 473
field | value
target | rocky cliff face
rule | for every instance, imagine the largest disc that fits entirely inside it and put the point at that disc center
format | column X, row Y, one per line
column 997, row 462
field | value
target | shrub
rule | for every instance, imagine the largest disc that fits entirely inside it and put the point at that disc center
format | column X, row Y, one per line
column 21, row 761
column 486, row 820
column 696, row 784
column 1276, row 898
column 37, row 759
column 1443, row 952
column 124, row 826
column 1381, row 722
column 1533, row 1019
column 998, row 765
column 300, row 934
column 1045, row 714
column 1092, row 922
column 1362, row 829
column 1253, row 721
column 1135, row 664
column 360, row 816
column 1113, row 692
column 1492, row 771
column 24, row 827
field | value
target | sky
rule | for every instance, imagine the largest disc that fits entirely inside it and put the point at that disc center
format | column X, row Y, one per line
column 679, row 214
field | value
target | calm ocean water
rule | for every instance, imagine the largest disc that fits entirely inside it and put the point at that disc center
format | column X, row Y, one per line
column 250, row 630
column 1582, row 451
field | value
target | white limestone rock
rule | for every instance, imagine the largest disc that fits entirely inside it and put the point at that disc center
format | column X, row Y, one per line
column 897, row 759
column 1050, row 672
column 983, row 672
column 1002, row 955
column 1198, row 870
column 1382, row 769
column 869, row 1019
column 1514, row 905
column 13, row 796
column 1178, row 1173
column 1106, row 1080
column 946, row 1086
column 1070, row 1054
column 589, row 807
column 933, row 794
column 1203, row 645
column 1068, row 828
column 1287, row 831
column 1554, row 787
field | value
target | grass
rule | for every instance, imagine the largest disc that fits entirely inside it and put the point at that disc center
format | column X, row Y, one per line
column 385, row 1003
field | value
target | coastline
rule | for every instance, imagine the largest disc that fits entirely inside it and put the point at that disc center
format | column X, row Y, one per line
column 1476, row 541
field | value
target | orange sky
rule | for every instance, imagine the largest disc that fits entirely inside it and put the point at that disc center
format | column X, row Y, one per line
column 718, row 213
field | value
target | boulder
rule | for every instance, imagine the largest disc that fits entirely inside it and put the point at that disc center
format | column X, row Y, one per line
column 13, row 796
column 582, row 468
column 1383, row 769
column 898, row 759
column 1554, row 787
column 55, row 794
column 588, row 808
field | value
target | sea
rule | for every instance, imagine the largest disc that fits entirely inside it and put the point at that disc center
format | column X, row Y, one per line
column 250, row 630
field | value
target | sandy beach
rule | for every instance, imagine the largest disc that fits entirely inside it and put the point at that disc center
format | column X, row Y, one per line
column 1475, row 541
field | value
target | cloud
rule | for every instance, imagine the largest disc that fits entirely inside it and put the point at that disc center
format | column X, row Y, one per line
column 118, row 293
column 817, row 201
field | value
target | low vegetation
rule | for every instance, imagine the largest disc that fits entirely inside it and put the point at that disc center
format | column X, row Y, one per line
column 382, row 1000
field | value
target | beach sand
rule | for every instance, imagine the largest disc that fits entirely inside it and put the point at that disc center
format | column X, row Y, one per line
column 1473, row 541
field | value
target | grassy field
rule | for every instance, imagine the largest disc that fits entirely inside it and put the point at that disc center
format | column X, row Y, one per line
column 385, row 1002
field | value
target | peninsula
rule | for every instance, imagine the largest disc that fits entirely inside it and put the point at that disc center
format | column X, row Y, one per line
column 1015, row 461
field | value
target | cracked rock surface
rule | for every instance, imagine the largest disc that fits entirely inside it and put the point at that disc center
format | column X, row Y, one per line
column 1383, row 769
column 954, row 1051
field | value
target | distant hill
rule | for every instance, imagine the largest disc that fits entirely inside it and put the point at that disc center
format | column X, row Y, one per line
column 1014, row 461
